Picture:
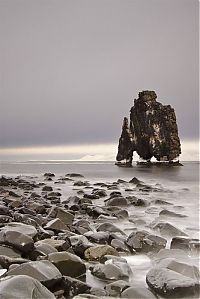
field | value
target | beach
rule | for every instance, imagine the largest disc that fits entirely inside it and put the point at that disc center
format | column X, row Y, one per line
column 117, row 227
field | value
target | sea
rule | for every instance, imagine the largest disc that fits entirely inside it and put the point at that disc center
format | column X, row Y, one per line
column 181, row 182
column 177, row 185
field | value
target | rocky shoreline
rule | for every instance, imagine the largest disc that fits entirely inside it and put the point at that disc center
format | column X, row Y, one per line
column 80, row 246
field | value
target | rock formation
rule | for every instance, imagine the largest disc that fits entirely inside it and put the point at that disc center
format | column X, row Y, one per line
column 152, row 131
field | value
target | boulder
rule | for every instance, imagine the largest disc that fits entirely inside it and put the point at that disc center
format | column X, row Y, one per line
column 22, row 228
column 185, row 243
column 109, row 227
column 169, row 283
column 109, row 272
column 98, row 237
column 74, row 286
column 60, row 245
column 142, row 241
column 56, row 225
column 9, row 252
column 47, row 188
column 43, row 271
column 65, row 216
column 115, row 288
column 17, row 240
column 168, row 230
column 23, row 287
column 95, row 253
column 68, row 264
column 117, row 201
column 138, row 292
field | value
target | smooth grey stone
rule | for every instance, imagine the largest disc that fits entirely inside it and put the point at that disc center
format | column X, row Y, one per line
column 117, row 201
column 23, row 287
column 25, row 229
column 168, row 230
column 116, row 288
column 109, row 272
column 171, row 283
column 138, row 292
column 56, row 225
column 60, row 245
column 43, row 271
column 67, row 263
column 109, row 227
column 17, row 240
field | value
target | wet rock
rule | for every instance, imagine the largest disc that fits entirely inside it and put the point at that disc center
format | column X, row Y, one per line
column 116, row 288
column 119, row 245
column 184, row 243
column 81, row 183
column 135, row 181
column 54, row 194
column 137, row 202
column 115, row 194
column 86, row 296
column 68, row 264
column 74, row 175
column 98, row 237
column 96, row 211
column 100, row 192
column 27, row 219
column 80, row 244
column 97, row 252
column 170, row 283
column 109, row 272
column 65, row 216
column 23, row 286
column 60, row 245
column 74, row 286
column 109, row 227
column 171, row 253
column 6, row 182
column 56, row 225
column 49, row 174
column 171, row 214
column 161, row 202
column 42, row 250
column 17, row 240
column 138, row 292
column 91, row 196
column 112, row 258
column 168, row 230
column 4, row 211
column 142, row 241
column 180, row 267
column 117, row 201
column 47, row 188
column 22, row 228
column 6, row 261
column 121, row 213
column 43, row 271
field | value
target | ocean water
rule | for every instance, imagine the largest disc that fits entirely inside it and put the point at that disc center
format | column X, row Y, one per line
column 179, row 186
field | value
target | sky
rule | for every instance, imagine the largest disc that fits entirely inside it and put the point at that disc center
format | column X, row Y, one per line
column 70, row 69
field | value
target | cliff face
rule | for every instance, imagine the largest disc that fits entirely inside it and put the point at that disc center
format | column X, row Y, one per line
column 152, row 131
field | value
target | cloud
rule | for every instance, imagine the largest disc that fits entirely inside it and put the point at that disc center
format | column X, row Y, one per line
column 86, row 152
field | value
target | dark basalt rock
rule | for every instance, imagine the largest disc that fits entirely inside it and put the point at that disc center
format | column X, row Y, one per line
column 152, row 131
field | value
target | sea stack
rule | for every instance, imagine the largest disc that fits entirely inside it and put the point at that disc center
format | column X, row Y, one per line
column 152, row 131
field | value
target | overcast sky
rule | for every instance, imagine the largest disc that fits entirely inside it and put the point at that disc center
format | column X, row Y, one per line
column 69, row 69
